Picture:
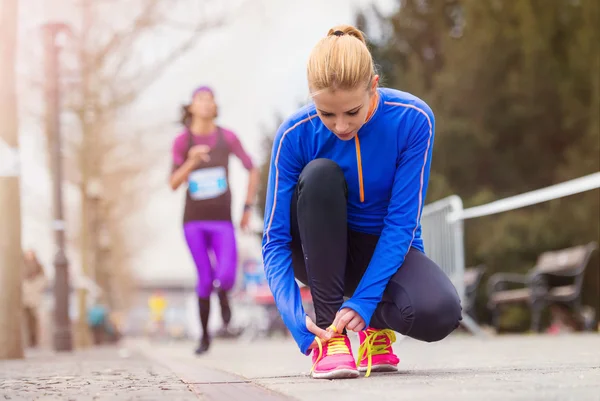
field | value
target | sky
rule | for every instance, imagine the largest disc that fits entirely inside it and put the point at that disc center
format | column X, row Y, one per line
column 256, row 65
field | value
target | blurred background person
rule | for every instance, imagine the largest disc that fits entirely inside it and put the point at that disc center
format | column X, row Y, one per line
column 157, row 303
column 201, row 158
column 34, row 285
column 102, row 322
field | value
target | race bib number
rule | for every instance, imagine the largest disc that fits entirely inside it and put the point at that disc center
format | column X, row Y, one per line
column 207, row 183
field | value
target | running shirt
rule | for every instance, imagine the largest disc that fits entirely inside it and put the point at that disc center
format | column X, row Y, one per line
column 386, row 168
column 208, row 196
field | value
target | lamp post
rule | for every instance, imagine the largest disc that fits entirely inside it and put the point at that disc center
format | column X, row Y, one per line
column 62, row 324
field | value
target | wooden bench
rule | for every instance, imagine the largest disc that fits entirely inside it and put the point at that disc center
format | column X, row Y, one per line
column 556, row 278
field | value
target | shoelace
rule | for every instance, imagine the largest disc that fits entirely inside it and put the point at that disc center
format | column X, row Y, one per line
column 375, row 344
column 335, row 346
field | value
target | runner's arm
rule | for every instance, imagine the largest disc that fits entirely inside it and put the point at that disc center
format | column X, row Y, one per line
column 180, row 174
column 254, row 173
column 182, row 165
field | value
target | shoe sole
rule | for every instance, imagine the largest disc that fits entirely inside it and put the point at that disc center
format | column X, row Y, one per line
column 379, row 368
column 336, row 374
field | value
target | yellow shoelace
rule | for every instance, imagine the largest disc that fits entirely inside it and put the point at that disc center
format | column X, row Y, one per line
column 375, row 344
column 335, row 346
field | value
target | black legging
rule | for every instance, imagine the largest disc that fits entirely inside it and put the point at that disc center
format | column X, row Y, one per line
column 419, row 300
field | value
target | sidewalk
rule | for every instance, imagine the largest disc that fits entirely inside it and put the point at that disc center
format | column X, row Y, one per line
column 95, row 374
column 137, row 370
column 460, row 368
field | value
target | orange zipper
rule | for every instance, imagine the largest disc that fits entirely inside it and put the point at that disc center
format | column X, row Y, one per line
column 360, row 174
column 372, row 108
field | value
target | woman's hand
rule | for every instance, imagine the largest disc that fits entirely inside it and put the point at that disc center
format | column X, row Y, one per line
column 349, row 319
column 245, row 223
column 324, row 335
column 199, row 153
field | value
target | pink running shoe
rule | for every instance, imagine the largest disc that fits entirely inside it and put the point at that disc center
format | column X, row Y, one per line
column 375, row 352
column 334, row 360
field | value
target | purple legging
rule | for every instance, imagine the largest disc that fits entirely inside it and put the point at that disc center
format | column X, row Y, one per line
column 202, row 236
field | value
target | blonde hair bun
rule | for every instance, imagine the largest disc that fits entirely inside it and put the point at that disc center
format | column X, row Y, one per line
column 347, row 30
column 339, row 61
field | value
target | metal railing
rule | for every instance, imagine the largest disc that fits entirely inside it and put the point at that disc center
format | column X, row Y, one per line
column 444, row 244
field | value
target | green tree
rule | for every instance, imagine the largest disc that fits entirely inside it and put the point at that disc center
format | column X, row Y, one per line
column 515, row 89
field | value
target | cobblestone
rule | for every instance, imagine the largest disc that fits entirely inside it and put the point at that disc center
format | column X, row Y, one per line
column 94, row 374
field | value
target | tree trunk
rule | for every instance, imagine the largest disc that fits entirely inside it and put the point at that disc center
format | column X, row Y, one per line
column 11, row 346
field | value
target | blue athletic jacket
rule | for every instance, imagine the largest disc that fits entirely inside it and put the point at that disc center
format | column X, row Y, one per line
column 386, row 167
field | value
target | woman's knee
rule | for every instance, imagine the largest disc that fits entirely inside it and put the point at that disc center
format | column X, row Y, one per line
column 225, row 282
column 321, row 176
column 436, row 317
column 434, row 301
column 204, row 289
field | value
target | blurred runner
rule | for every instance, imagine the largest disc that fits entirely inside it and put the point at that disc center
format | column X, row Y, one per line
column 201, row 159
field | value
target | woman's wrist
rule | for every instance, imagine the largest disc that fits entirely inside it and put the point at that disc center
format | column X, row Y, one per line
column 190, row 165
